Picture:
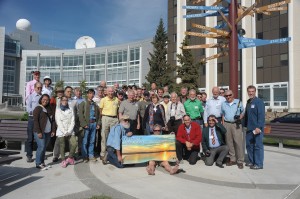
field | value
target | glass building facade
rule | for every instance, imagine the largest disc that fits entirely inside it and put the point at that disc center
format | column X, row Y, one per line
column 124, row 64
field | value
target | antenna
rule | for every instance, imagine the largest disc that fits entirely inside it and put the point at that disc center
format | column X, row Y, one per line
column 85, row 42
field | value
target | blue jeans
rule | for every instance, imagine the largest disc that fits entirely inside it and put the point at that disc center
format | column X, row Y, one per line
column 112, row 157
column 88, row 141
column 255, row 148
column 29, row 142
column 41, row 147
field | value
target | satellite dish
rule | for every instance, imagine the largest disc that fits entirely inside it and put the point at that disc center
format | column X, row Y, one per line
column 85, row 42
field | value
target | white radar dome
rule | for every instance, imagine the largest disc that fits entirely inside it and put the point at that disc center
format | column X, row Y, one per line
column 23, row 24
column 85, row 42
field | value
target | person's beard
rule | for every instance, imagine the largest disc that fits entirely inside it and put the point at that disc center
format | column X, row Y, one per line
column 192, row 99
column 125, row 125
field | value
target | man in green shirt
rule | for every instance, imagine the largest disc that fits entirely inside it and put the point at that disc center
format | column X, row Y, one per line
column 193, row 108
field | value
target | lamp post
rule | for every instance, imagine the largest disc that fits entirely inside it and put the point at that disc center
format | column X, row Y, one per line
column 241, row 32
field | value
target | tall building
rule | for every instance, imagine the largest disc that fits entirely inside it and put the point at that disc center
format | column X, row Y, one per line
column 21, row 53
column 272, row 68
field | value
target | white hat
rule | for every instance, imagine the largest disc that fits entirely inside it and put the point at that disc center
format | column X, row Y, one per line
column 48, row 77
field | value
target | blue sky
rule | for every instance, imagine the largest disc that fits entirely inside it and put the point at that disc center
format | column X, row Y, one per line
column 61, row 22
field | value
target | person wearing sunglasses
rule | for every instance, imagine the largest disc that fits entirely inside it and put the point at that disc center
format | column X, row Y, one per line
column 232, row 110
column 31, row 104
column 165, row 164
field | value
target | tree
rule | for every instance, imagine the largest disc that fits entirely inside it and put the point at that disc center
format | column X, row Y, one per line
column 160, row 71
column 83, row 87
column 57, row 84
column 188, row 71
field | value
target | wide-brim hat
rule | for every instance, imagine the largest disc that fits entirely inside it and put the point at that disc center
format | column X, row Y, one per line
column 59, row 89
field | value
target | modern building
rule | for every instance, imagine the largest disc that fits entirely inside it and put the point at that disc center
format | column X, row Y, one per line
column 124, row 63
column 272, row 68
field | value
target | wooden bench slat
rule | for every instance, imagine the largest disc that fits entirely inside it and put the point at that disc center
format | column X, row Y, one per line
column 13, row 121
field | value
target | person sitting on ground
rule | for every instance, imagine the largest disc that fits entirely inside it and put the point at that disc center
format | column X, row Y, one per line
column 114, row 142
column 65, row 121
column 165, row 164
column 213, row 142
column 188, row 138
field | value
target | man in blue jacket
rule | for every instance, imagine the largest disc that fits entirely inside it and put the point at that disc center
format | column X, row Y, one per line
column 255, row 122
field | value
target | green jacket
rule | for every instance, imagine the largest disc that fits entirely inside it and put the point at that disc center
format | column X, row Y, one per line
column 84, row 113
column 193, row 108
column 220, row 131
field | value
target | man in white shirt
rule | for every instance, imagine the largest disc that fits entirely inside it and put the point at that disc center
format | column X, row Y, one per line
column 213, row 106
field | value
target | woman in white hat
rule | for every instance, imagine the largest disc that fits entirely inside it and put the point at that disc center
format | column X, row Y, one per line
column 47, row 89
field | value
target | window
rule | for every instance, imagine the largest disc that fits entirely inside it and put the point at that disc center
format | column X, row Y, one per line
column 264, row 94
column 283, row 32
column 203, row 69
column 174, row 56
column 260, row 35
column 259, row 17
column 175, row 20
column 220, row 67
column 284, row 60
column 280, row 95
column 175, row 3
column 30, row 38
column 175, row 38
column 260, row 62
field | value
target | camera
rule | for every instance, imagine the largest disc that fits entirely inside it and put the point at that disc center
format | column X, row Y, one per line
column 238, row 121
column 172, row 120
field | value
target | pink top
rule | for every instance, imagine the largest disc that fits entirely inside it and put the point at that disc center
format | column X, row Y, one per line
column 29, row 88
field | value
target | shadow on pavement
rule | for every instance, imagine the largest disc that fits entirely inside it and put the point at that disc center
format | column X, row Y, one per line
column 12, row 178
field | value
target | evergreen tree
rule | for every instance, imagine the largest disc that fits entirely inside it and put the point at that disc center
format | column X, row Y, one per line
column 83, row 87
column 160, row 71
column 58, row 84
column 188, row 71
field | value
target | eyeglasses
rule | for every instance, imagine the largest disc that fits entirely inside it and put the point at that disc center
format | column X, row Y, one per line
column 126, row 120
column 228, row 95
column 156, row 130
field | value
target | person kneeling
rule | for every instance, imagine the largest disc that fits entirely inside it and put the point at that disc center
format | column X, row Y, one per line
column 188, row 138
column 114, row 142
column 165, row 164
column 213, row 142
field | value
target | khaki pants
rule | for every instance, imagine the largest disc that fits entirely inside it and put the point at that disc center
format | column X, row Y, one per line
column 72, row 145
column 107, row 123
column 234, row 141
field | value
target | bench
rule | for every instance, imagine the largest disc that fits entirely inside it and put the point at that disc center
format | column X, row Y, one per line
column 14, row 130
column 284, row 131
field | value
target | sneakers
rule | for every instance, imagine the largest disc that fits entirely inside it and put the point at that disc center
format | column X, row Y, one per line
column 71, row 161
column 55, row 159
column 64, row 164
column 42, row 167
column 29, row 159
column 85, row 160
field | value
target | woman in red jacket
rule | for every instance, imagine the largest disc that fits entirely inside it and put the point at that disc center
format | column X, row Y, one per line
column 188, row 138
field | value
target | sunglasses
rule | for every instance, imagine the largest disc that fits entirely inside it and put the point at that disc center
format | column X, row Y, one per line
column 126, row 120
column 228, row 95
column 39, row 87
column 156, row 130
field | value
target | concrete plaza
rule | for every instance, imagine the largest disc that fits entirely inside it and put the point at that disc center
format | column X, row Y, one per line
column 279, row 179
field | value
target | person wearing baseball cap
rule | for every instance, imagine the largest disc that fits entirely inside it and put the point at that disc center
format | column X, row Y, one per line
column 47, row 89
column 30, row 84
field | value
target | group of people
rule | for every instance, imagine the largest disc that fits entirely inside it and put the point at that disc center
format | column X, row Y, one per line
column 204, row 128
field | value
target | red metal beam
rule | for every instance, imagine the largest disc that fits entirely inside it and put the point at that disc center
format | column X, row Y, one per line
column 233, row 48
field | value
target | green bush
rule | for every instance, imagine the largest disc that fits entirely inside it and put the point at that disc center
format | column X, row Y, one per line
column 24, row 117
